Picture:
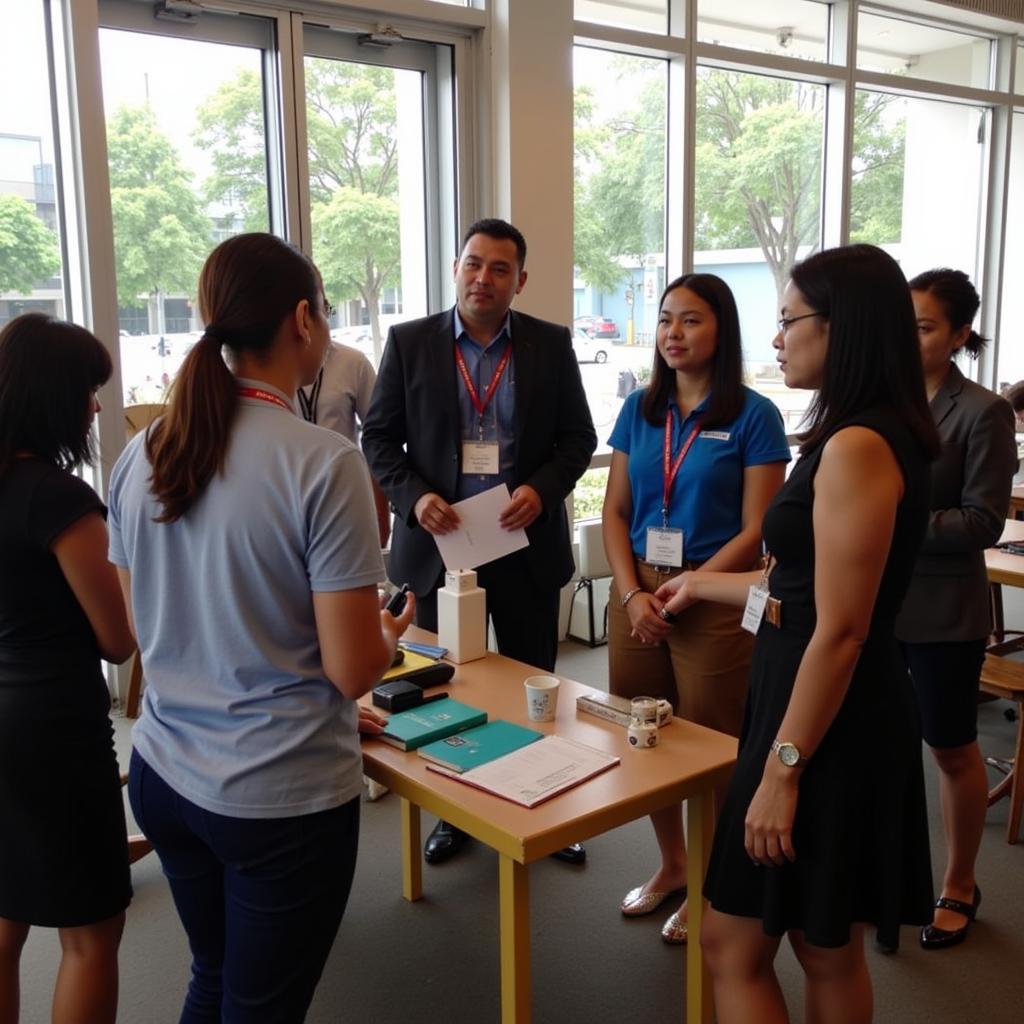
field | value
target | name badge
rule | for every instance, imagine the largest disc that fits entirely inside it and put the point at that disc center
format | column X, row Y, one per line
column 664, row 546
column 716, row 435
column 480, row 457
column 757, row 598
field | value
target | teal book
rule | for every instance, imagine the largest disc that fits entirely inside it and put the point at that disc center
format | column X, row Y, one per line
column 477, row 746
column 410, row 729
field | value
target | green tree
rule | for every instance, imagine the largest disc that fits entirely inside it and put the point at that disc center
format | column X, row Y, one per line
column 620, row 178
column 352, row 135
column 879, row 154
column 28, row 248
column 161, row 235
column 758, row 175
column 758, row 172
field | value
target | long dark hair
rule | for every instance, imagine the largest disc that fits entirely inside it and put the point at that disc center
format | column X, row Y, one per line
column 726, row 400
column 49, row 369
column 247, row 287
column 959, row 299
column 873, row 358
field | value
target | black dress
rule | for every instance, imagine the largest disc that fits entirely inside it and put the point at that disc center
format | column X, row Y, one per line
column 861, row 828
column 63, row 848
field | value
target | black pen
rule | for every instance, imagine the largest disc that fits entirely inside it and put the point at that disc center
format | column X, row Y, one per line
column 430, row 700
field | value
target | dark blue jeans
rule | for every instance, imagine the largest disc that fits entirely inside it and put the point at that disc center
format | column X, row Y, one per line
column 260, row 898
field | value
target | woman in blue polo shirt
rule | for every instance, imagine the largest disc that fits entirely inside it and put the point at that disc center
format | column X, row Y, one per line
column 697, row 458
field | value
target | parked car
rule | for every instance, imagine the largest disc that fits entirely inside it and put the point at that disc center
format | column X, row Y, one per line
column 600, row 327
column 588, row 349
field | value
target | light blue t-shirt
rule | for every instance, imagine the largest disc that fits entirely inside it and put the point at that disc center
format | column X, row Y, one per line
column 706, row 500
column 238, row 716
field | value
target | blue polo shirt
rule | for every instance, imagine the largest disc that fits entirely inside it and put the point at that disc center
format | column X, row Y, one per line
column 706, row 501
column 238, row 715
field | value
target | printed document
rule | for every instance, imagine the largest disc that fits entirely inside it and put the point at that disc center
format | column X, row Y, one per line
column 479, row 538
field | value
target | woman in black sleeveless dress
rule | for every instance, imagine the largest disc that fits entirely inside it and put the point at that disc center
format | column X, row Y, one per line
column 63, row 845
column 824, row 829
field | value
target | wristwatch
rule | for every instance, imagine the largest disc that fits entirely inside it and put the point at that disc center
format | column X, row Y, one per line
column 788, row 753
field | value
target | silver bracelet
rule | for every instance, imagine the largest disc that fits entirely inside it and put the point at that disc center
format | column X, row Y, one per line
column 627, row 597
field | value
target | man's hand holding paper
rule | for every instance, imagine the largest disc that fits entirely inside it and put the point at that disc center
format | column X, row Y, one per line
column 482, row 534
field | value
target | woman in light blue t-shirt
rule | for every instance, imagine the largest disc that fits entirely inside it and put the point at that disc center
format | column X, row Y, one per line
column 696, row 459
column 246, row 542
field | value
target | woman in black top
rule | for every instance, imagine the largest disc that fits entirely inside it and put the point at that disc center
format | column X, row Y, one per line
column 824, row 829
column 63, row 852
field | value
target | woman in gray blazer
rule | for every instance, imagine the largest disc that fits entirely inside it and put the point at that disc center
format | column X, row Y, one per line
column 944, row 624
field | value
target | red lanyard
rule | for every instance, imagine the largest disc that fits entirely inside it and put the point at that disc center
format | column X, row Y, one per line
column 481, row 407
column 671, row 468
column 264, row 396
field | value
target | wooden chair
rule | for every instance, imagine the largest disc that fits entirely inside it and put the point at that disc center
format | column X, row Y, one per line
column 1002, row 677
column 138, row 417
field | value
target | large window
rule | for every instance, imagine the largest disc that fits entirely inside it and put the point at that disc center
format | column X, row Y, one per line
column 188, row 168
column 646, row 15
column 30, row 253
column 1011, row 332
column 793, row 28
column 910, row 158
column 368, row 169
column 916, row 50
column 620, row 137
column 758, row 202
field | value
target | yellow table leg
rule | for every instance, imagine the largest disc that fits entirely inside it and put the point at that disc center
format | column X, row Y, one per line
column 699, row 1001
column 514, row 903
column 412, row 866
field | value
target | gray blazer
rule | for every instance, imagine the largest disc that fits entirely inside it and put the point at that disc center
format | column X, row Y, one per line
column 970, row 496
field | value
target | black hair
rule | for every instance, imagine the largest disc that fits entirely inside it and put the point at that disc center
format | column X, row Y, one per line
column 959, row 299
column 248, row 286
column 493, row 227
column 49, row 369
column 726, row 400
column 873, row 358
column 1015, row 396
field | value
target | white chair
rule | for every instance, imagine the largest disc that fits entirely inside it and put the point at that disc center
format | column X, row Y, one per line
column 593, row 566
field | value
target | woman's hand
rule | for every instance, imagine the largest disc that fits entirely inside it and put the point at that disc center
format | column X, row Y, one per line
column 676, row 593
column 644, row 611
column 370, row 723
column 768, row 835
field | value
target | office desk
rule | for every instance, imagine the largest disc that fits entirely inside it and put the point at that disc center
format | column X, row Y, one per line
column 688, row 763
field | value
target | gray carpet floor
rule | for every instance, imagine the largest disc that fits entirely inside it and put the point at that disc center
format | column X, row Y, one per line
column 437, row 960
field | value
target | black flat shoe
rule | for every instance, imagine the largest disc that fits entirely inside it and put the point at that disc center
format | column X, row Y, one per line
column 572, row 854
column 443, row 843
column 941, row 938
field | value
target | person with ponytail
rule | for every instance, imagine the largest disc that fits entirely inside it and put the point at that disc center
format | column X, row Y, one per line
column 246, row 543
column 63, row 842
column 945, row 622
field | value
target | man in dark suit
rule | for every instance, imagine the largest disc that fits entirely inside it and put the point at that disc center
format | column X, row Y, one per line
column 466, row 400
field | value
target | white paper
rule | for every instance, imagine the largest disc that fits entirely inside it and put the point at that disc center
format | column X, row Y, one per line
column 536, row 772
column 479, row 538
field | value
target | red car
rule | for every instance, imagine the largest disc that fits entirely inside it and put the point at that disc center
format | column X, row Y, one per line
column 597, row 326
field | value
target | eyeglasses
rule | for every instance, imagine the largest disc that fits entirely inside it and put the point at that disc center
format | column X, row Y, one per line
column 787, row 321
column 329, row 310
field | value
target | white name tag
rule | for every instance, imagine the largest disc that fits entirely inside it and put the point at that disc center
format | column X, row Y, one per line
column 757, row 597
column 664, row 546
column 715, row 435
column 480, row 457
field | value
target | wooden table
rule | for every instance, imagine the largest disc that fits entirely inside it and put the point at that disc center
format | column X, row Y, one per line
column 1001, row 565
column 688, row 763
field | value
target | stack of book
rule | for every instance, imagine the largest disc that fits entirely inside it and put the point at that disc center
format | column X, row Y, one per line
column 418, row 726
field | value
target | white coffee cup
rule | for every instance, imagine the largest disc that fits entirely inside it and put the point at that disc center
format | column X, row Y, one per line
column 541, row 698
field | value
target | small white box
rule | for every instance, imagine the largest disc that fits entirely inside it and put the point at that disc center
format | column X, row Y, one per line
column 460, row 580
column 462, row 622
